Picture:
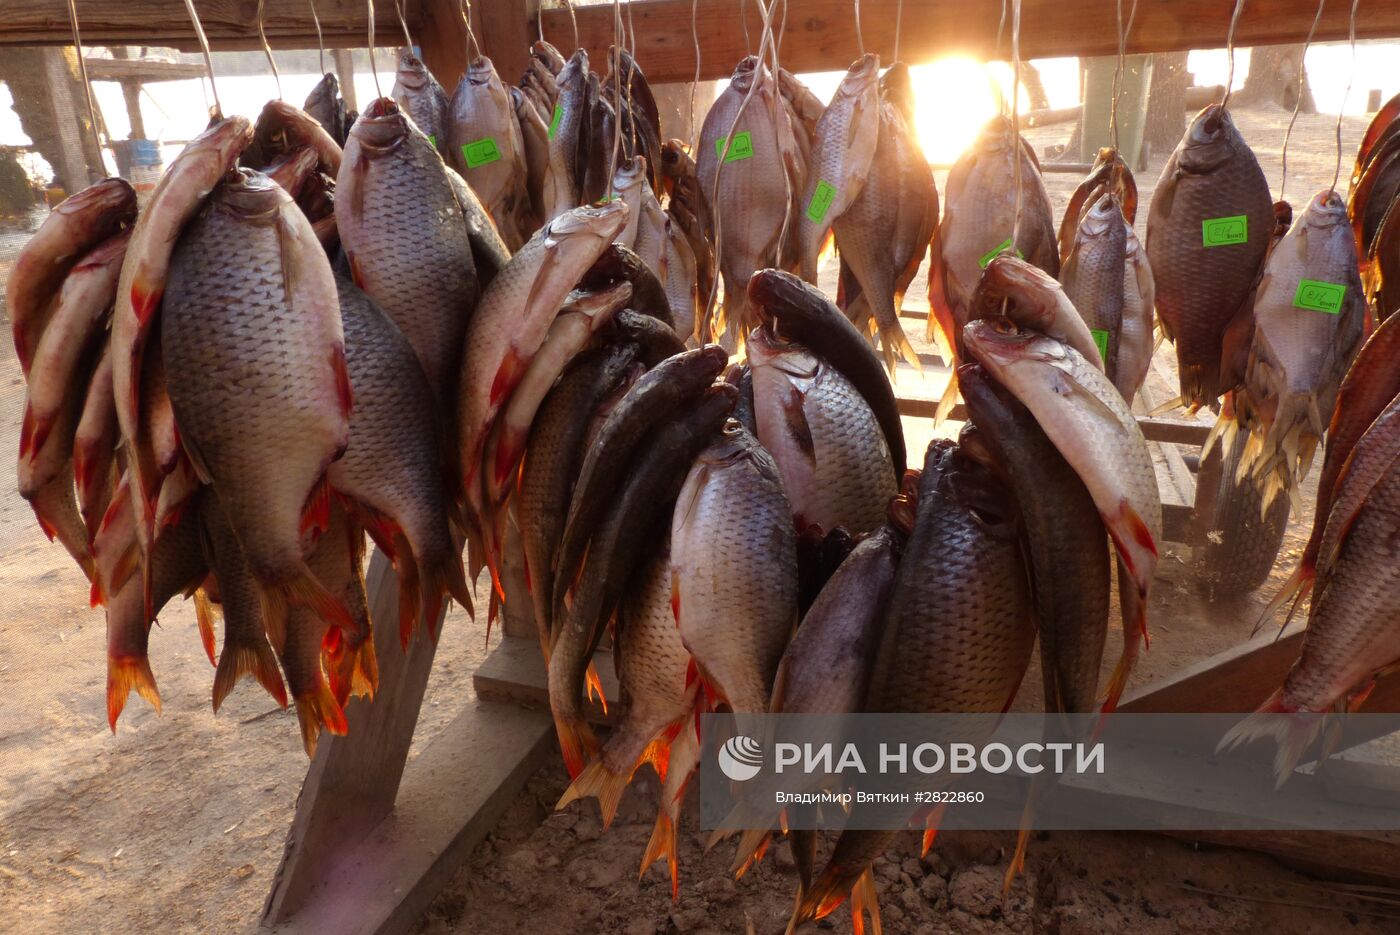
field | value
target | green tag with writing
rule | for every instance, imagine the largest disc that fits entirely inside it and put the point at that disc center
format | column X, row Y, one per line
column 432, row 138
column 554, row 123
column 740, row 148
column 480, row 152
column 997, row 251
column 1319, row 296
column 1221, row 232
column 1101, row 342
column 821, row 200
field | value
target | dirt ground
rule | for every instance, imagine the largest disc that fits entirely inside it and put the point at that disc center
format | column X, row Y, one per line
column 177, row 822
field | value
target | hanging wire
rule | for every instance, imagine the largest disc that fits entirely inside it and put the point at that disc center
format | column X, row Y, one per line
column 631, row 76
column 898, row 21
column 1118, row 71
column 267, row 50
column 744, row 22
column 320, row 40
column 1230, row 51
column 695, row 38
column 619, row 40
column 782, row 28
column 860, row 39
column 407, row 39
column 464, row 7
column 373, row 70
column 573, row 19
column 82, row 69
column 1342, row 108
column 208, row 56
column 539, row 22
column 1297, row 104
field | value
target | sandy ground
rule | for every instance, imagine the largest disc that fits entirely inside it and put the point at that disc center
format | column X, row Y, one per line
column 177, row 822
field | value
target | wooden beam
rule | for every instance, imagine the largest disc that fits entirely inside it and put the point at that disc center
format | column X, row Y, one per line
column 820, row 34
column 442, row 37
column 136, row 70
column 505, row 30
column 229, row 24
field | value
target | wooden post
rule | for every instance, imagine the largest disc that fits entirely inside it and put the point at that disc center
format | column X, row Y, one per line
column 74, row 169
column 345, row 72
column 442, row 39
column 131, row 93
column 503, row 27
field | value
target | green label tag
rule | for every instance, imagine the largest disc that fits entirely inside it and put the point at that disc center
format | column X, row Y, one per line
column 997, row 251
column 821, row 201
column 432, row 138
column 480, row 153
column 741, row 148
column 1319, row 296
column 1221, row 232
column 554, row 122
column 1101, row 342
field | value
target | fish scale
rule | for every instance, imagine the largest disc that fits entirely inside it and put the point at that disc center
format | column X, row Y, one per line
column 404, row 233
column 1212, row 174
column 823, row 435
column 734, row 569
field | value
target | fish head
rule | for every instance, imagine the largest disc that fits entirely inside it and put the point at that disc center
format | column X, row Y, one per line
column 382, row 127
column 630, row 175
column 110, row 200
column 547, row 53
column 597, row 302
column 1325, row 209
column 222, row 141
column 1000, row 345
column 249, row 194
column 675, row 160
column 575, row 73
column 788, row 303
column 995, row 136
column 1105, row 215
column 766, row 349
column 1007, row 278
column 589, row 229
column 744, row 72
column 481, row 71
column 412, row 73
column 326, row 90
column 862, row 77
column 1211, row 140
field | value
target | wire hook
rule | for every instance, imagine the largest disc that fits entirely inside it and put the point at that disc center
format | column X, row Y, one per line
column 1297, row 104
column 267, row 49
column 208, row 57
column 87, row 85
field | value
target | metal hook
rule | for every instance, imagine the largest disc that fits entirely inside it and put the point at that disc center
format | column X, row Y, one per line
column 208, row 57
column 1341, row 108
column 373, row 70
column 320, row 40
column 267, row 49
column 465, row 8
column 860, row 39
column 898, row 22
column 1118, row 71
column 1230, row 51
column 407, row 39
column 1016, row 116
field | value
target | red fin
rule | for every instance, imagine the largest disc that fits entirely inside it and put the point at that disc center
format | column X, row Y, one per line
column 342, row 380
column 256, row 660
column 33, row 432
column 593, row 684
column 410, row 598
column 508, row 375
column 204, row 617
column 663, row 846
column 439, row 580
column 305, row 591
column 597, row 781
column 355, row 275
column 931, row 822
column 577, row 743
column 507, row 457
column 123, row 674
column 46, row 527
column 144, row 302
column 316, row 515
column 865, row 899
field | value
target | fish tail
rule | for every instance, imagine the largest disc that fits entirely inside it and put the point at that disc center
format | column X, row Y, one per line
column 1294, row 731
column 751, row 842
column 446, row 576
column 317, row 709
column 892, row 340
column 576, row 742
column 1134, row 608
column 599, row 782
column 125, row 673
column 364, row 678
column 864, row 898
column 948, row 400
column 33, row 432
column 662, row 845
column 305, row 590
column 410, row 599
column 255, row 659
column 204, row 617
column 316, row 515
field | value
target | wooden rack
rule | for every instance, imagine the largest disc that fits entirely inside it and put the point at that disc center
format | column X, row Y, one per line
column 375, row 836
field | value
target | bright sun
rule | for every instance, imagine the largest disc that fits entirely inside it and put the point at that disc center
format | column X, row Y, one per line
column 955, row 97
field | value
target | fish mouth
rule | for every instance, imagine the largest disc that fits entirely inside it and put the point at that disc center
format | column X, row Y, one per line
column 381, row 127
column 104, row 196
column 605, row 220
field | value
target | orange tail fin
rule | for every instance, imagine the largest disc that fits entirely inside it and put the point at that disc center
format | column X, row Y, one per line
column 256, row 660
column 204, row 617
column 663, row 846
column 318, row 709
column 125, row 673
column 597, row 781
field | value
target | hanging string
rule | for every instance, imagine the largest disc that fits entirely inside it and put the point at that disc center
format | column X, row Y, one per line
column 82, row 69
column 464, row 7
column 898, row 21
column 320, row 40
column 573, row 19
column 407, row 39
column 373, row 70
column 1001, row 29
column 267, row 50
column 744, row 22
column 619, row 40
column 1230, row 51
column 539, row 22
column 1297, row 104
column 208, row 57
column 695, row 38
column 1342, row 108
column 1016, row 116
column 1118, row 71
column 782, row 28
column 860, row 39
column 631, row 76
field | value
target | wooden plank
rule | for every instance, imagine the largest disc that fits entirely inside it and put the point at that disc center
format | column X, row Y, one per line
column 228, row 23
column 821, row 35
column 515, row 673
column 135, row 69
column 354, row 780
column 505, row 29
column 442, row 40
column 453, row 794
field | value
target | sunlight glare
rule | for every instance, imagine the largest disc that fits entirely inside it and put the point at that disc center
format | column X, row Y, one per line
column 954, row 99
